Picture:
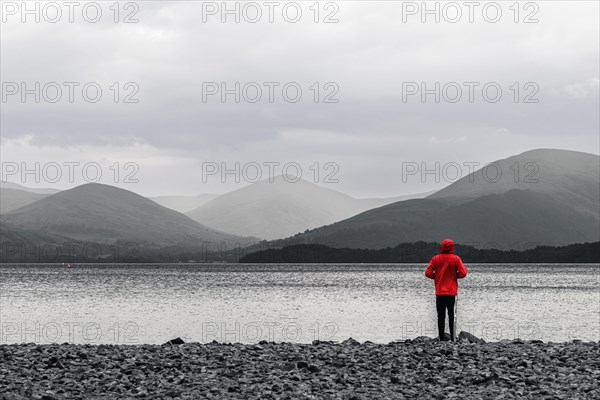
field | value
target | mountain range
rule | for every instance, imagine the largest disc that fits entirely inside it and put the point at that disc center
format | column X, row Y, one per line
column 266, row 210
column 541, row 197
column 553, row 200
column 282, row 207
column 105, row 214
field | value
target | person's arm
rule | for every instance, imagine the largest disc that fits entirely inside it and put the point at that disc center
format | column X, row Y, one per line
column 461, row 271
column 430, row 271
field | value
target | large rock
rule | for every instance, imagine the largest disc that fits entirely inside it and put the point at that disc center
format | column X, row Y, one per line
column 467, row 337
column 177, row 340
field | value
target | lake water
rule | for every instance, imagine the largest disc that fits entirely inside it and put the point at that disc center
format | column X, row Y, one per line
column 298, row 303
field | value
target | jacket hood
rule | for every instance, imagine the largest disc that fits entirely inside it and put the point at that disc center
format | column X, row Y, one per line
column 447, row 246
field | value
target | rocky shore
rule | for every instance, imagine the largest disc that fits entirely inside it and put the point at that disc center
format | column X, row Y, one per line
column 421, row 368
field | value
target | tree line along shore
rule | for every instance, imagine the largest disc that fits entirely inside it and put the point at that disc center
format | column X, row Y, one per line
column 421, row 252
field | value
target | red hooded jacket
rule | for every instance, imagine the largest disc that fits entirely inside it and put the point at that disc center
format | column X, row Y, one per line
column 445, row 269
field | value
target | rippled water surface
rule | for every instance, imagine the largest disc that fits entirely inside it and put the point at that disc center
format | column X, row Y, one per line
column 300, row 303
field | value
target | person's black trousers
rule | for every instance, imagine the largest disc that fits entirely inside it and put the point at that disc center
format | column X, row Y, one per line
column 443, row 303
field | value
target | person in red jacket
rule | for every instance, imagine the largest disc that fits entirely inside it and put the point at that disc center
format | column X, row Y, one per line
column 445, row 269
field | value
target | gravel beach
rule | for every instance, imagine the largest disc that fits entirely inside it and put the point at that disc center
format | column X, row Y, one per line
column 421, row 368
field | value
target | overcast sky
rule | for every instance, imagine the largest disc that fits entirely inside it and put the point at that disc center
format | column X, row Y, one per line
column 369, row 57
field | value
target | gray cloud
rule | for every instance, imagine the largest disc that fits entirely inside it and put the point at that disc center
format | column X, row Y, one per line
column 368, row 54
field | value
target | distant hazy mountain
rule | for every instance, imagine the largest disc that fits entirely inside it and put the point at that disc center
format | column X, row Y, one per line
column 101, row 213
column 183, row 204
column 281, row 208
column 561, row 208
column 16, row 186
column 11, row 199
